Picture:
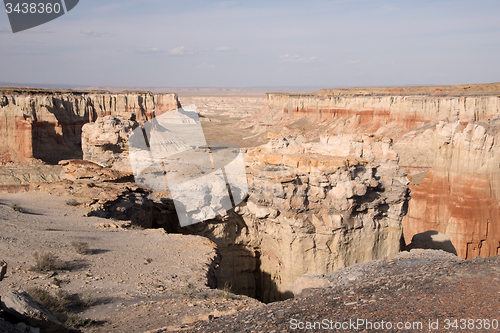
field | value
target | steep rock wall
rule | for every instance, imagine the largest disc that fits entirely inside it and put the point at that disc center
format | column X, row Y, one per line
column 448, row 194
column 372, row 113
column 460, row 196
column 311, row 209
column 47, row 125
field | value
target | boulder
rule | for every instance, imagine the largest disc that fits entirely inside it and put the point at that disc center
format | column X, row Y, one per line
column 85, row 170
column 23, row 307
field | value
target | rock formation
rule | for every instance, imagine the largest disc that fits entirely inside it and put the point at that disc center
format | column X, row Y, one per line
column 445, row 137
column 105, row 142
column 75, row 170
column 327, row 191
column 460, row 196
column 311, row 209
column 47, row 124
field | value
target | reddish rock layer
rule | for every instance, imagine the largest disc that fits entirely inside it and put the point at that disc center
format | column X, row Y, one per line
column 460, row 195
column 462, row 208
column 442, row 129
column 47, row 125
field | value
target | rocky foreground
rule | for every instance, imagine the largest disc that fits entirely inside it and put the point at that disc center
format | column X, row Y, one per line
column 124, row 280
column 421, row 290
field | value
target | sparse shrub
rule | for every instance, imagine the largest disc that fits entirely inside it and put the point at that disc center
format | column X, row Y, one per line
column 75, row 321
column 16, row 207
column 83, row 301
column 54, row 304
column 81, row 247
column 46, row 261
column 72, row 202
column 226, row 292
column 62, row 294
column 57, row 281
column 58, row 304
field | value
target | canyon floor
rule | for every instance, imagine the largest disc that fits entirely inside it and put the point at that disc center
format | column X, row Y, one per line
column 137, row 280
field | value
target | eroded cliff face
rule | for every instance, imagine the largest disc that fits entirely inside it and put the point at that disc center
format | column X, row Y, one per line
column 445, row 137
column 460, row 194
column 381, row 114
column 311, row 209
column 47, row 125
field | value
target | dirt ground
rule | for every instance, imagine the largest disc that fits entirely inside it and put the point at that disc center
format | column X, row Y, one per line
column 133, row 280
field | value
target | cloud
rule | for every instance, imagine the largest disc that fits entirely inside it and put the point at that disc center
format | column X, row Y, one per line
column 296, row 59
column 205, row 66
column 178, row 51
column 24, row 52
column 223, row 49
column 149, row 50
column 90, row 33
column 352, row 62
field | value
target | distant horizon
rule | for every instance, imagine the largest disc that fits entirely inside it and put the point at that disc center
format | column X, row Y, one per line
column 258, row 44
column 207, row 89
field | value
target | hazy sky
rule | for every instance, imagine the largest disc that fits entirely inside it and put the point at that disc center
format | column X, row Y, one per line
column 258, row 43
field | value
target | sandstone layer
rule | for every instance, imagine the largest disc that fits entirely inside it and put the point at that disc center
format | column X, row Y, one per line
column 47, row 124
column 460, row 195
column 311, row 209
column 445, row 137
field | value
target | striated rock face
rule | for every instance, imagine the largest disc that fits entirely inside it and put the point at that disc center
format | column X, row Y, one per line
column 375, row 114
column 460, row 196
column 445, row 137
column 105, row 142
column 47, row 125
column 311, row 209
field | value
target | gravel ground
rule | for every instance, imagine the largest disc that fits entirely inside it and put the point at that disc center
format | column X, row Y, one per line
column 424, row 290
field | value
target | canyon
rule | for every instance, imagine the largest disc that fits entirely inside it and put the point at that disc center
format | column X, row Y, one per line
column 335, row 178
column 46, row 125
column 445, row 137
